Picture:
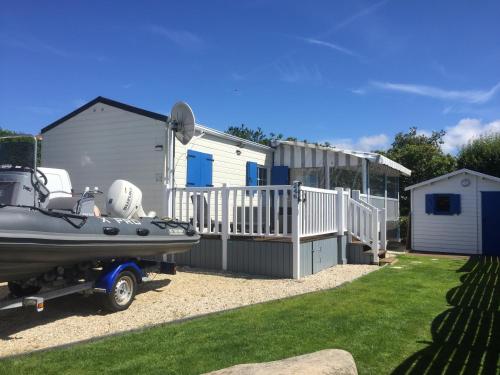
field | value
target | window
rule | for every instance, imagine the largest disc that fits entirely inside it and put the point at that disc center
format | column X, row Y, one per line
column 376, row 179
column 346, row 177
column 392, row 186
column 256, row 174
column 442, row 204
column 312, row 177
column 261, row 176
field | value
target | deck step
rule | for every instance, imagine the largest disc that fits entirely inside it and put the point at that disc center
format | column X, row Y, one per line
column 388, row 260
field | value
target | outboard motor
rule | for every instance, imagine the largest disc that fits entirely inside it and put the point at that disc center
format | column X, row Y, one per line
column 124, row 200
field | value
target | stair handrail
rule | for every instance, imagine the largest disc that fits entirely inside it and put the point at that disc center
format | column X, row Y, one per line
column 375, row 244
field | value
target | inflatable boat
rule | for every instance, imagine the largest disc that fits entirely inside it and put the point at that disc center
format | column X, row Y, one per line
column 45, row 230
column 35, row 240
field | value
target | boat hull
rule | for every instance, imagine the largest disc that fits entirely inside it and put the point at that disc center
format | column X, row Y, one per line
column 32, row 242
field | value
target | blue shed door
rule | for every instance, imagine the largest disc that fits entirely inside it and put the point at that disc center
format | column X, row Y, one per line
column 490, row 209
column 199, row 169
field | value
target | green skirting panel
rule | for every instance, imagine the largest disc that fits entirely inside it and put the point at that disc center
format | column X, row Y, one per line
column 357, row 255
column 266, row 258
column 319, row 254
column 206, row 254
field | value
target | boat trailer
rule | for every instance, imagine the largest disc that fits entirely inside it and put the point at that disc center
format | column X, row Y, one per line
column 116, row 283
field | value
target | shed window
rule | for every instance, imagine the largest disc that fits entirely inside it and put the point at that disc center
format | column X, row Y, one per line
column 442, row 204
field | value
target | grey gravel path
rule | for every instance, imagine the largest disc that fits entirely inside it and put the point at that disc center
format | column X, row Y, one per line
column 167, row 298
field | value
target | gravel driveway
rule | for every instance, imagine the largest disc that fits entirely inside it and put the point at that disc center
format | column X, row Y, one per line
column 167, row 298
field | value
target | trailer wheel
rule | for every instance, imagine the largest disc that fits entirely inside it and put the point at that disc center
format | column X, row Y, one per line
column 122, row 293
column 20, row 290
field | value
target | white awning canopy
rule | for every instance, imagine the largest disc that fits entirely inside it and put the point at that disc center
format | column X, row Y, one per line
column 304, row 155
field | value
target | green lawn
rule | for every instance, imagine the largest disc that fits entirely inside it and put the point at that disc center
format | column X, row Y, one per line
column 384, row 319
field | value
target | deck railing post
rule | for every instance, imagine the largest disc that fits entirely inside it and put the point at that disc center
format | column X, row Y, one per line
column 374, row 236
column 225, row 224
column 356, row 195
column 296, row 227
column 383, row 229
column 341, row 207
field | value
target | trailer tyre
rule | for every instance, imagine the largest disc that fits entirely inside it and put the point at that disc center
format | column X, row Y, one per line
column 20, row 290
column 122, row 293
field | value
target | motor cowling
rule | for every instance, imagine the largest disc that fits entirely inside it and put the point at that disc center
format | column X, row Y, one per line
column 124, row 200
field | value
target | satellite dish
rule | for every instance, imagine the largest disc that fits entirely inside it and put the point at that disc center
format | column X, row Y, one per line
column 182, row 117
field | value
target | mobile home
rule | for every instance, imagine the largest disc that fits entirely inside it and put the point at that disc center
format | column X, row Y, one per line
column 289, row 209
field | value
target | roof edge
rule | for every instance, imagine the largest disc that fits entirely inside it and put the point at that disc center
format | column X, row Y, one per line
column 452, row 174
column 110, row 102
column 221, row 134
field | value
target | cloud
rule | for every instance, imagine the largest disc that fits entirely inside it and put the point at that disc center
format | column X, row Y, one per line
column 365, row 143
column 292, row 72
column 468, row 96
column 31, row 44
column 362, row 13
column 182, row 38
column 329, row 45
column 466, row 130
column 360, row 91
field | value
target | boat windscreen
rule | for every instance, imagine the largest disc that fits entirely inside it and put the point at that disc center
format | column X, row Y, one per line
column 17, row 152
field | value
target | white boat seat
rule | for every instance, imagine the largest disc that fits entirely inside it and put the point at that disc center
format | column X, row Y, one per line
column 63, row 203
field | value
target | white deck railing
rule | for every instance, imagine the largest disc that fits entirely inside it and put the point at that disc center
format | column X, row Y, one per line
column 242, row 211
column 391, row 205
column 319, row 211
column 286, row 211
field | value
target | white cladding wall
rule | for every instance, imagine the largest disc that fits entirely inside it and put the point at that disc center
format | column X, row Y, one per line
column 228, row 166
column 456, row 233
column 105, row 143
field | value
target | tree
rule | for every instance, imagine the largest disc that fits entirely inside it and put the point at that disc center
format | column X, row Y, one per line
column 6, row 132
column 256, row 135
column 423, row 155
column 20, row 149
column 481, row 155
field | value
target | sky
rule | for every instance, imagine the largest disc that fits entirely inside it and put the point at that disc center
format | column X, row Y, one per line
column 353, row 73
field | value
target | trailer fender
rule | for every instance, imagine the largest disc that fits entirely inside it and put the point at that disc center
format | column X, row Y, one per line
column 107, row 280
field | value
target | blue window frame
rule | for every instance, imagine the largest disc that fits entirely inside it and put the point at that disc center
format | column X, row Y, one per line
column 442, row 204
column 199, row 169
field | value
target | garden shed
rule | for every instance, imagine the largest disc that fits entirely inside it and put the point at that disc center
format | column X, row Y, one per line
column 456, row 213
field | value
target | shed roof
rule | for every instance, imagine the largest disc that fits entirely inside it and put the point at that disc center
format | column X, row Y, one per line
column 150, row 114
column 455, row 173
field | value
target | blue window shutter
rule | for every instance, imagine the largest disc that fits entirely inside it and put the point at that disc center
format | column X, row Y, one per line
column 429, row 203
column 455, row 207
column 207, row 169
column 199, row 169
column 252, row 171
column 279, row 175
column 193, row 169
